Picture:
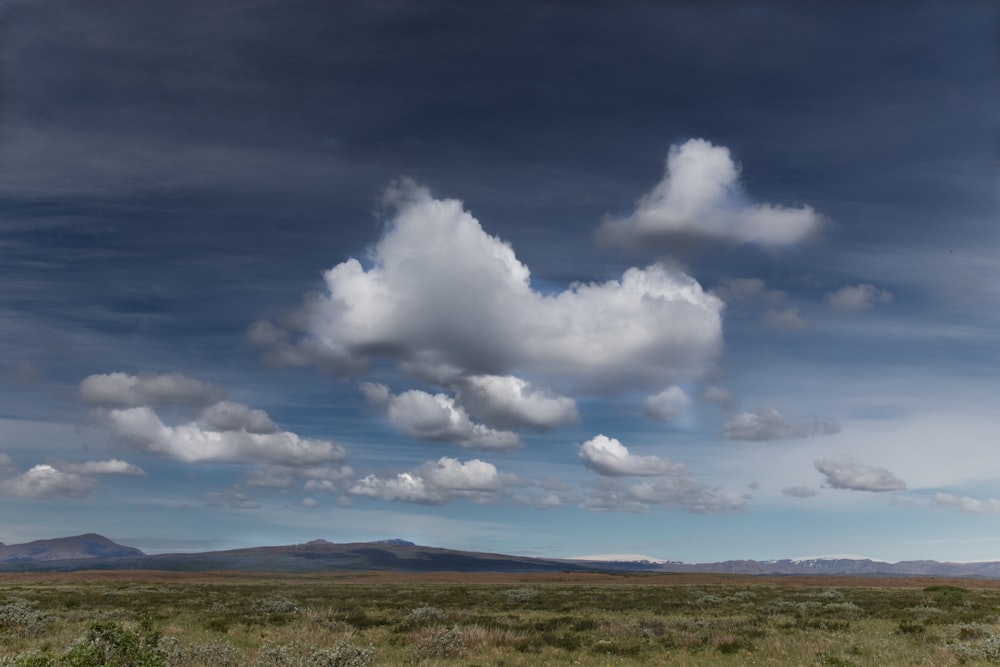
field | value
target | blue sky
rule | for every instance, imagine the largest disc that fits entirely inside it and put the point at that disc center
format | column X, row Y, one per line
column 695, row 282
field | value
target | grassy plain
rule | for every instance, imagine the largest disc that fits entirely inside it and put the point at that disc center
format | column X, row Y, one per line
column 152, row 619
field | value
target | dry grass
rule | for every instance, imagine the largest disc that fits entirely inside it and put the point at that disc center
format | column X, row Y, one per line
column 319, row 620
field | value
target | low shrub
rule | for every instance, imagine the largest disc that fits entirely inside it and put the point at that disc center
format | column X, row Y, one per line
column 109, row 643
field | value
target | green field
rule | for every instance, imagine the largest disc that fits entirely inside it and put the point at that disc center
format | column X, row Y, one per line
column 145, row 619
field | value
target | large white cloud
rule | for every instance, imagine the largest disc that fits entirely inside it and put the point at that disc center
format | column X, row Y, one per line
column 437, row 482
column 608, row 456
column 847, row 473
column 700, row 196
column 447, row 300
column 122, row 390
column 436, row 417
column 45, row 481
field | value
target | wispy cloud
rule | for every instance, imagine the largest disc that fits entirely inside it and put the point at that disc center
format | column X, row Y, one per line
column 966, row 504
column 858, row 297
column 45, row 481
column 770, row 424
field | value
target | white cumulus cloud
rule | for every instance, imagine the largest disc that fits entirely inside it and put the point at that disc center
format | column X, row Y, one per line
column 608, row 456
column 447, row 300
column 668, row 405
column 700, row 196
column 436, row 417
column 847, row 473
column 190, row 442
column 858, row 297
column 222, row 431
column 506, row 401
column 438, row 482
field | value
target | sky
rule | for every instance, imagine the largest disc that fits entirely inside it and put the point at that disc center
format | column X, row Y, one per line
column 697, row 281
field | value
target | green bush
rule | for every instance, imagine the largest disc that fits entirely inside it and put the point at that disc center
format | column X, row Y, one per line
column 109, row 644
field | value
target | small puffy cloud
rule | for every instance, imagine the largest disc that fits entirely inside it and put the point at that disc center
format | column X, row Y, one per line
column 700, row 196
column 506, row 401
column 769, row 424
column 437, row 417
column 447, row 301
column 858, row 297
column 799, row 491
column 678, row 492
column 435, row 483
column 6, row 463
column 668, row 405
column 45, row 481
column 607, row 456
column 847, row 473
column 109, row 467
column 122, row 390
column 191, row 442
column 229, row 416
column 966, row 504
column 310, row 503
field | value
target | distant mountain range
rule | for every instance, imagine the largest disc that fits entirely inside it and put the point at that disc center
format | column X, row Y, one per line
column 95, row 552
column 87, row 546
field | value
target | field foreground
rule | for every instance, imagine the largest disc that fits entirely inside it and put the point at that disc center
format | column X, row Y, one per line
column 172, row 619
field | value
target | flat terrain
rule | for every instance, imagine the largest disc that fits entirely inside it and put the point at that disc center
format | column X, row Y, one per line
column 253, row 619
column 596, row 578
